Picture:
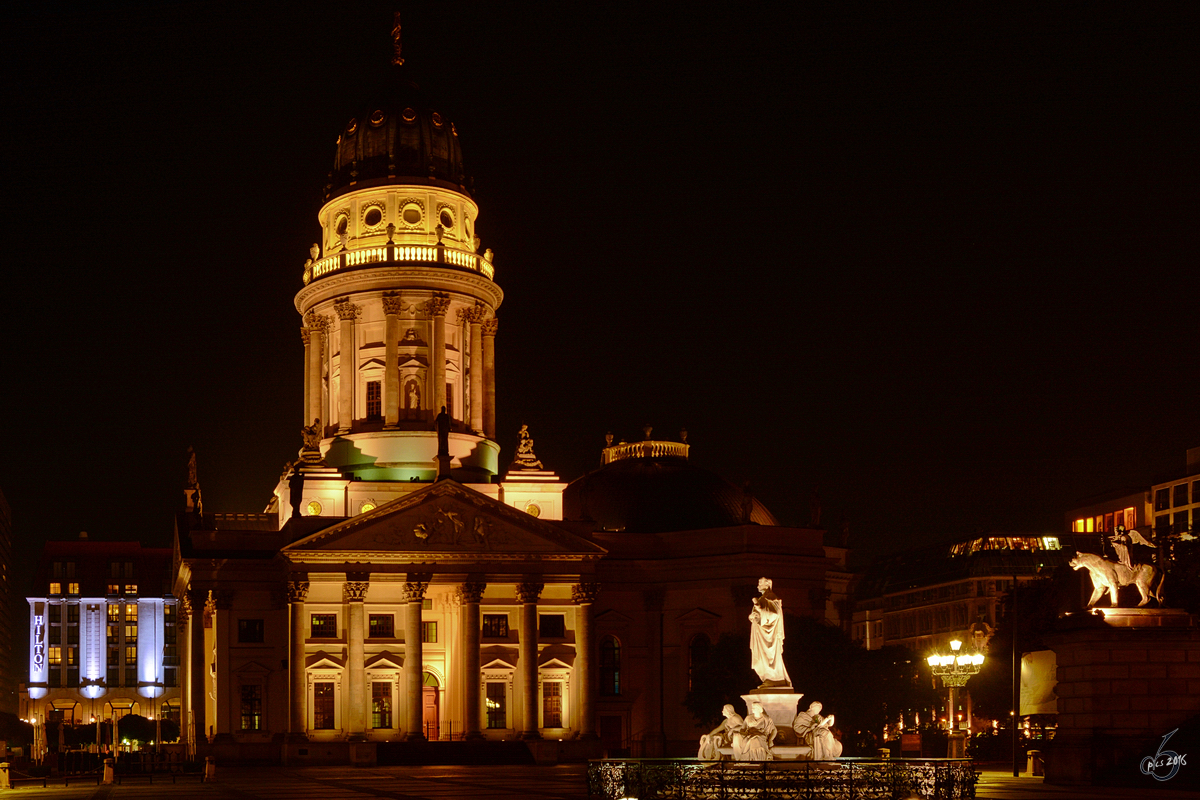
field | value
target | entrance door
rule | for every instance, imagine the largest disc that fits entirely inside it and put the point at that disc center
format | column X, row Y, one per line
column 429, row 694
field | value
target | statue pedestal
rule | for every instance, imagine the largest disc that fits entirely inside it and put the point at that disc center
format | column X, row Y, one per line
column 780, row 705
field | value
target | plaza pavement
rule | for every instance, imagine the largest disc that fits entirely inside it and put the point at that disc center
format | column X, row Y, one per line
column 565, row 782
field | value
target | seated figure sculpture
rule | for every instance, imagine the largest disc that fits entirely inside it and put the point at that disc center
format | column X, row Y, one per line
column 754, row 740
column 814, row 730
column 720, row 736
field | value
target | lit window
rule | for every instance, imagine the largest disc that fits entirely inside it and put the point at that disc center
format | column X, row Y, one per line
column 381, row 626
column 1079, row 526
column 381, row 704
column 72, row 588
column 495, row 626
column 497, row 705
column 324, row 626
column 1091, row 525
column 552, row 704
column 114, row 588
column 251, row 708
column 429, row 632
column 54, row 655
column 55, row 587
column 131, row 589
column 1131, row 518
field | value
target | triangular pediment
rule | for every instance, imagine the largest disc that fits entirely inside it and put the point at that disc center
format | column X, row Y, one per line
column 323, row 660
column 252, row 668
column 698, row 616
column 561, row 661
column 384, row 660
column 445, row 520
column 498, row 663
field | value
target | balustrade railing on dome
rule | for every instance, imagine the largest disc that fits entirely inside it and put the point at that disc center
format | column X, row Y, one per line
column 399, row 254
column 646, row 449
column 843, row 779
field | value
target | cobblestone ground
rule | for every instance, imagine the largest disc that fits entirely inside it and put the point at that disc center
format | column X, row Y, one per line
column 333, row 783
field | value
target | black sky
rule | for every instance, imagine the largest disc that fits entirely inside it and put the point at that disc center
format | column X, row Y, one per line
column 937, row 259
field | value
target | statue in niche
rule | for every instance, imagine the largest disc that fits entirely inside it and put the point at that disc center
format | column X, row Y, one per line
column 525, row 459
column 412, row 394
column 814, row 730
column 754, row 740
column 720, row 736
column 766, row 638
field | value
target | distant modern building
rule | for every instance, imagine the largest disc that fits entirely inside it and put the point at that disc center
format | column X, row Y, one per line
column 103, row 638
column 1177, row 499
column 9, row 669
column 1103, row 513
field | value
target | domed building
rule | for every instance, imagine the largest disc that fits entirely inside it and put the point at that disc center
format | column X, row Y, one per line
column 399, row 587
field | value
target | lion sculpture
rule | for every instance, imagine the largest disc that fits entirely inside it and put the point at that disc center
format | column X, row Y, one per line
column 1109, row 576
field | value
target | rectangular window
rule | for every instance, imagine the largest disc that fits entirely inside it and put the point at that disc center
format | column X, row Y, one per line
column 73, row 614
column 54, row 656
column 1162, row 499
column 114, row 659
column 427, row 604
column 131, row 679
column 1181, row 525
column 552, row 704
column 381, row 704
column 55, row 634
column 1181, row 495
column 324, row 626
column 1108, row 522
column 1162, row 525
column 55, row 587
column 169, row 678
column 1090, row 524
column 381, row 626
column 1078, row 526
column 171, row 655
column 497, row 705
column 373, row 400
column 552, row 626
column 114, row 588
column 429, row 632
column 250, row 631
column 495, row 626
column 251, row 708
column 323, row 706
column 131, row 589
column 131, row 655
column 1130, row 518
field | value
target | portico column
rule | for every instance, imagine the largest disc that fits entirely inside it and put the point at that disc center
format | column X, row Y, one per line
column 298, row 700
column 584, row 595
column 347, row 363
column 527, row 595
column 197, row 599
column 391, row 374
column 437, row 308
column 470, row 594
column 354, row 592
column 306, row 337
column 414, row 594
column 222, row 603
column 475, row 317
column 489, row 377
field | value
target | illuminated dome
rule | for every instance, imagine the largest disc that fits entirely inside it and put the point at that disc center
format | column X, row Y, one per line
column 404, row 138
column 650, row 487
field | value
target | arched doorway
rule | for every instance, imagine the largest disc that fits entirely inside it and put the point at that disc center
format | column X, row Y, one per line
column 429, row 696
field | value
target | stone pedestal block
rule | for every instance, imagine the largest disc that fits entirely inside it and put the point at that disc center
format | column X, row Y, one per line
column 781, row 708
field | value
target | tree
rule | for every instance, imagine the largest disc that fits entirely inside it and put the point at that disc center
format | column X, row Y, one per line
column 135, row 728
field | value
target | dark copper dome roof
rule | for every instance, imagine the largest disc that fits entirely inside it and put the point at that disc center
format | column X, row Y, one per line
column 403, row 139
column 656, row 495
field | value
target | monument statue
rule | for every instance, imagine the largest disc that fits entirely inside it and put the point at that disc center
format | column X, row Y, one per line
column 310, row 453
column 766, row 638
column 814, row 730
column 192, row 480
column 1109, row 576
column 720, row 736
column 442, row 422
column 525, row 459
column 1121, row 539
column 754, row 740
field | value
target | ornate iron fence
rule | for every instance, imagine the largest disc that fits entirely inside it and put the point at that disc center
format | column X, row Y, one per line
column 844, row 779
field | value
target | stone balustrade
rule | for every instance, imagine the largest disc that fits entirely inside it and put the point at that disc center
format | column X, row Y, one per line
column 398, row 254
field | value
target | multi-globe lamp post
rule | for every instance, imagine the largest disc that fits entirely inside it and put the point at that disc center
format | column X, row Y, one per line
column 955, row 670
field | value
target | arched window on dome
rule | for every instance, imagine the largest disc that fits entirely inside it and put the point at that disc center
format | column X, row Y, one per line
column 610, row 666
column 698, row 650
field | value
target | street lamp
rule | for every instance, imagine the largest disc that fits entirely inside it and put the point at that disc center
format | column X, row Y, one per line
column 955, row 670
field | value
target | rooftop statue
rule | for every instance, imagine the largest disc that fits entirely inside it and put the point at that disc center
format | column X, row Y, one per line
column 766, row 638
column 814, row 730
column 312, row 435
column 525, row 459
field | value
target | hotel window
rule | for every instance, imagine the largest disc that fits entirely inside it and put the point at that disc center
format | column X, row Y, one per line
column 113, row 588
column 552, row 704
column 131, row 589
column 552, row 626
column 250, row 631
column 1091, row 525
column 323, row 705
column 495, row 626
column 114, row 659
column 251, row 708
column 131, row 619
column 1077, row 527
column 1162, row 499
column 698, row 654
column 55, row 587
column 497, row 705
column 169, row 679
column 429, row 632
column 1181, row 498
column 381, row 626
column 381, row 704
column 73, row 587
column 610, row 666
column 373, row 400
column 324, row 626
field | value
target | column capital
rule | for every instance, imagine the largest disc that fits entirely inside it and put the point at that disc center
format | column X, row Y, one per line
column 316, row 323
column 471, row 591
column 585, row 593
column 391, row 304
column 414, row 590
column 490, row 326
column 438, row 305
column 346, row 310
column 297, row 591
column 196, row 599
column 355, row 591
column 528, row 593
column 305, row 336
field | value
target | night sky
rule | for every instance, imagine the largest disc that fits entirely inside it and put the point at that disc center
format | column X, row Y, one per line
column 937, row 260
